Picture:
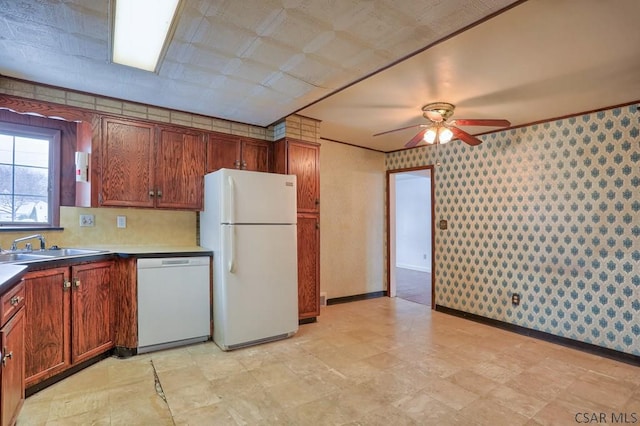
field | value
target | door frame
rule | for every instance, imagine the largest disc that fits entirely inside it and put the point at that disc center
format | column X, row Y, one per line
column 391, row 234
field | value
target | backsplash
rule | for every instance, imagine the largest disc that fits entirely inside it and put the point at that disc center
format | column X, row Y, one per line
column 144, row 227
column 550, row 211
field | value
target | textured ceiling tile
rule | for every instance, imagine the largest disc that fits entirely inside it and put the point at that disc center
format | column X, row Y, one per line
column 274, row 54
column 221, row 36
column 295, row 50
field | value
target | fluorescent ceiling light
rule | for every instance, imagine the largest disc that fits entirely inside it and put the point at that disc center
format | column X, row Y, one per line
column 140, row 31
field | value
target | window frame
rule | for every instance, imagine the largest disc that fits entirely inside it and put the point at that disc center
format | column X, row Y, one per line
column 54, row 136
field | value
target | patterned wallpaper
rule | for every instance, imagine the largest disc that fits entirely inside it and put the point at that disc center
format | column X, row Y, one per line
column 550, row 211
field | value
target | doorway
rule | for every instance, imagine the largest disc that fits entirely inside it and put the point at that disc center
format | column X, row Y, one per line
column 410, row 241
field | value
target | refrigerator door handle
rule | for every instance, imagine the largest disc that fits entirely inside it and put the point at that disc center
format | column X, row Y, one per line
column 232, row 200
column 232, row 249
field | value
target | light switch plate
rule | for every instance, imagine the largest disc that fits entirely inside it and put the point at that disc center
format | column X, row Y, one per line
column 87, row 220
column 121, row 221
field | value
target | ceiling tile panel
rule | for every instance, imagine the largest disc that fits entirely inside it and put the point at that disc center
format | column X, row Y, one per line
column 257, row 61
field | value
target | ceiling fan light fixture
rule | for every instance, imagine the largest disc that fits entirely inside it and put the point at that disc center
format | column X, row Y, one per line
column 430, row 135
column 445, row 134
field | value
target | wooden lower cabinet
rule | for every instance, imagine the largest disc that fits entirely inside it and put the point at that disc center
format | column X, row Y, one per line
column 68, row 318
column 12, row 368
column 308, row 266
column 91, row 331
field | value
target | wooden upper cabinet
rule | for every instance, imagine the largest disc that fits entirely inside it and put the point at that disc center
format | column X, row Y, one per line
column 223, row 152
column 255, row 155
column 126, row 164
column 144, row 165
column 180, row 170
column 303, row 160
column 235, row 152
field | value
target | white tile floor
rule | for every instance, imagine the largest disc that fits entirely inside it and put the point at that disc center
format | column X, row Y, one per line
column 375, row 362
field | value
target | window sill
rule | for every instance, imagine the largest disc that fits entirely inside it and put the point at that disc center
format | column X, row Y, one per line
column 9, row 228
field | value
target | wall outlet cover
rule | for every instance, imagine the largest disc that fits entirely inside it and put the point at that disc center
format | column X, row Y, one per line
column 87, row 220
column 121, row 221
column 515, row 299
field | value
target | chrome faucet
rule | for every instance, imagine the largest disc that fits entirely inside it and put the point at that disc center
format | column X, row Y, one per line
column 14, row 245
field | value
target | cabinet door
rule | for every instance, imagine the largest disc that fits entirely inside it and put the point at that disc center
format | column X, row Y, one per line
column 308, row 266
column 223, row 152
column 255, row 156
column 180, row 163
column 303, row 161
column 12, row 386
column 46, row 323
column 126, row 164
column 91, row 331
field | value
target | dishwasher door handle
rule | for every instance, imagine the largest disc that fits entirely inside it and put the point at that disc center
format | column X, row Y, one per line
column 173, row 262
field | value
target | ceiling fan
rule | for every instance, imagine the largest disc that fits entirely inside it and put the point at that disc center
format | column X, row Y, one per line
column 439, row 130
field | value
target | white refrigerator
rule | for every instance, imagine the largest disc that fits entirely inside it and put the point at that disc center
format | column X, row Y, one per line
column 249, row 222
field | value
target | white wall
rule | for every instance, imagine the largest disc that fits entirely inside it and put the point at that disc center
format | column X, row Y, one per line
column 352, row 182
column 413, row 221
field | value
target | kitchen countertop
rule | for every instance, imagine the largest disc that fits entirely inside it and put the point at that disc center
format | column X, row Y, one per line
column 10, row 274
column 153, row 250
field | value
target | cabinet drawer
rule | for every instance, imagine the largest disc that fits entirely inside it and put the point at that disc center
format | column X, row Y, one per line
column 11, row 302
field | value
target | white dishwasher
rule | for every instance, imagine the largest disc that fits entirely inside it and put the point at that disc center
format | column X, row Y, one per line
column 173, row 302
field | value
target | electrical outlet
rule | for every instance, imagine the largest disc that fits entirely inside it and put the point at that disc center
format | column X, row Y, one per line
column 87, row 220
column 515, row 299
column 121, row 222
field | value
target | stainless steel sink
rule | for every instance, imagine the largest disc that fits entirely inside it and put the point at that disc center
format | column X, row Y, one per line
column 20, row 257
column 49, row 254
column 62, row 252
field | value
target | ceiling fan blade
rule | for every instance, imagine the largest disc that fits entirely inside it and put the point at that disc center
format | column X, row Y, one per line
column 416, row 139
column 481, row 122
column 465, row 137
column 401, row 128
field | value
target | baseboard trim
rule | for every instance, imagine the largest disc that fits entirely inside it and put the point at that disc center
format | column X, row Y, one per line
column 548, row 337
column 414, row 267
column 355, row 298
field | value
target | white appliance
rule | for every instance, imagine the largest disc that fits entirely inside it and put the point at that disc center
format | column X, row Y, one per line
column 173, row 302
column 249, row 222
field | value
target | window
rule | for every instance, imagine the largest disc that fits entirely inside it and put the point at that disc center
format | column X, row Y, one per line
column 29, row 177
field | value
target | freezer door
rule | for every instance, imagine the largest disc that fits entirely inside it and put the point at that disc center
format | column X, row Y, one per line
column 257, row 198
column 257, row 297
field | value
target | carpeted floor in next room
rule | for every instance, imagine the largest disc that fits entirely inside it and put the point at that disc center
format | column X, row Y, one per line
column 413, row 285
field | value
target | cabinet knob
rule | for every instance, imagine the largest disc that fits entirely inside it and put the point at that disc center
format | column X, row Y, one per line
column 7, row 355
column 159, row 193
column 151, row 193
column 76, row 282
column 244, row 165
column 15, row 300
column 236, row 164
column 66, row 284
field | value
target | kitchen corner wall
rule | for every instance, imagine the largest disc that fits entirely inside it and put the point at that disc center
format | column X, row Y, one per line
column 144, row 227
column 351, row 220
column 550, row 211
